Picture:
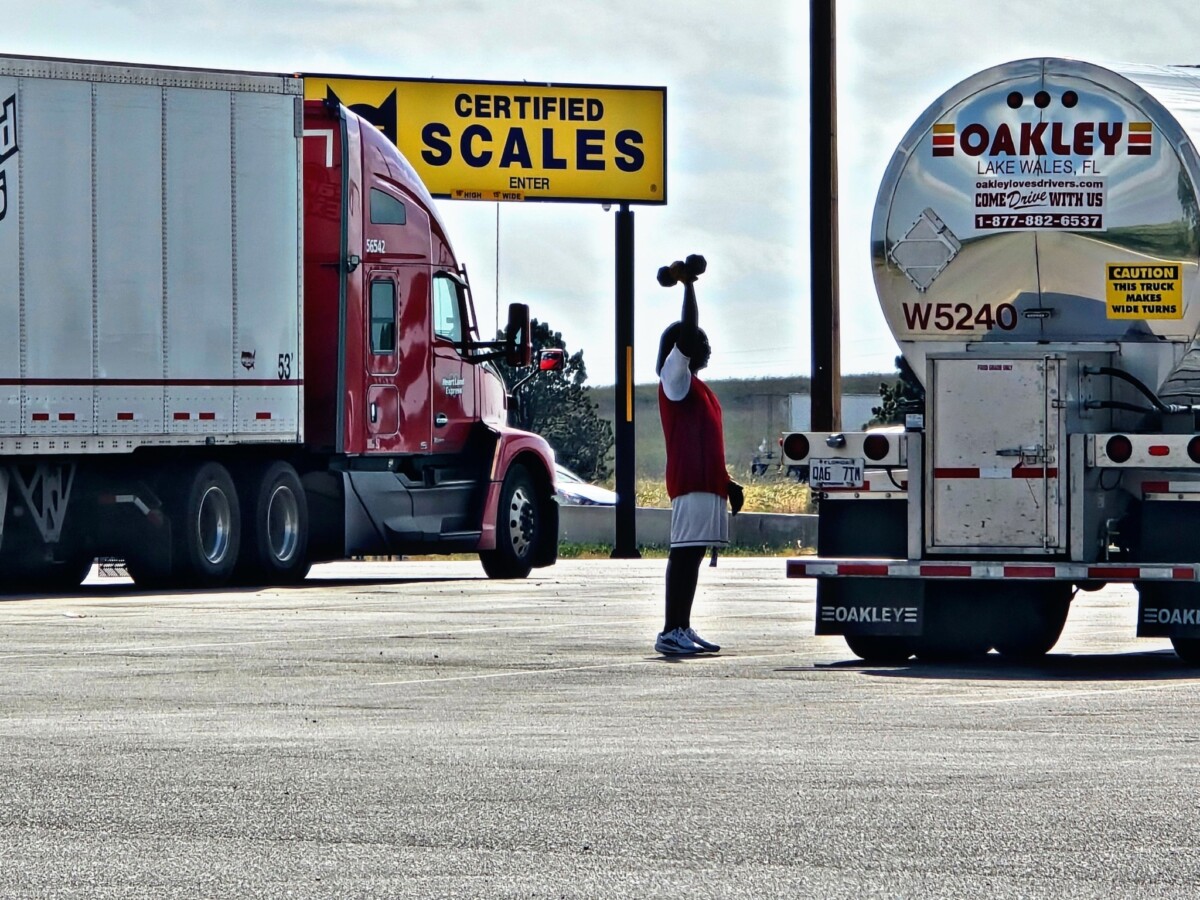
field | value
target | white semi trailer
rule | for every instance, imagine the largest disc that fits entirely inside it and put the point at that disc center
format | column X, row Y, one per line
column 1035, row 246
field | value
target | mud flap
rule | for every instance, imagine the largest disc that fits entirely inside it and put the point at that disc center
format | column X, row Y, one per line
column 870, row 606
column 1168, row 610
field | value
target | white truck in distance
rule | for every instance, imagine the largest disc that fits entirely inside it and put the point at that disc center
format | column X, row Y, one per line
column 1035, row 246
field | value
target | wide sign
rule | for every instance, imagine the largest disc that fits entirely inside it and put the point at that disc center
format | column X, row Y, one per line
column 491, row 140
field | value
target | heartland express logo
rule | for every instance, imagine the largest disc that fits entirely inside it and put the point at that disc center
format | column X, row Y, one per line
column 8, row 146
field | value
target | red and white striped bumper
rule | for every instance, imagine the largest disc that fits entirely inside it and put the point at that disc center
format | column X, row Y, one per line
column 818, row 567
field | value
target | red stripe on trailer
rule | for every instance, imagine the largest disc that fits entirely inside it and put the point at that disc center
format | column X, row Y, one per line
column 1183, row 573
column 208, row 417
column 796, row 569
column 124, row 417
column 1155, row 487
column 1102, row 573
column 262, row 415
column 182, row 417
column 946, row 571
column 1030, row 571
column 862, row 569
column 41, row 417
column 955, row 473
column 66, row 417
column 1034, row 472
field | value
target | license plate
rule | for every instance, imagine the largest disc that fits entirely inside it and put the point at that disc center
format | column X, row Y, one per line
column 846, row 473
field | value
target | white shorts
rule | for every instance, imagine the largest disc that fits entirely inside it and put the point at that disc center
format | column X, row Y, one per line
column 699, row 520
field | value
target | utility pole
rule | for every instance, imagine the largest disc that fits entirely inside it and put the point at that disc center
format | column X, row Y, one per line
column 823, row 219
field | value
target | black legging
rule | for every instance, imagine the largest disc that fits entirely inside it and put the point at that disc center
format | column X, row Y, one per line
column 683, row 570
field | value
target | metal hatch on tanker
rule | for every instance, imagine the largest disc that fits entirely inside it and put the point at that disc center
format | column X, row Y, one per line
column 1035, row 245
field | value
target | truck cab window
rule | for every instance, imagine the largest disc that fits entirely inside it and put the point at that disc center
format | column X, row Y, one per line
column 383, row 317
column 447, row 310
column 386, row 209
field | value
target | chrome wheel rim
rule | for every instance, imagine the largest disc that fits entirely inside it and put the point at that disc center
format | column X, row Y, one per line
column 283, row 523
column 522, row 522
column 214, row 522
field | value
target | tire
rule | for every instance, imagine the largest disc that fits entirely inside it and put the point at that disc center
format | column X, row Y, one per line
column 274, row 513
column 1187, row 649
column 1029, row 624
column 880, row 649
column 204, row 533
column 519, row 523
column 957, row 623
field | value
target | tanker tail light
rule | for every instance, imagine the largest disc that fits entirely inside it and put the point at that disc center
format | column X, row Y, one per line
column 795, row 446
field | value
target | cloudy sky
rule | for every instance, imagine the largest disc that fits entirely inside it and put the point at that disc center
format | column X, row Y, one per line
column 737, row 86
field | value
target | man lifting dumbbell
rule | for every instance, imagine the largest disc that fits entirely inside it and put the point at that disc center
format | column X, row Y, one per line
column 697, row 481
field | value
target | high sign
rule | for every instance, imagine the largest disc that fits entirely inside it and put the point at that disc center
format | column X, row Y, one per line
column 491, row 140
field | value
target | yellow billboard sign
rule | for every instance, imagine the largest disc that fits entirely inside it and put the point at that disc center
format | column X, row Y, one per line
column 512, row 140
column 1144, row 291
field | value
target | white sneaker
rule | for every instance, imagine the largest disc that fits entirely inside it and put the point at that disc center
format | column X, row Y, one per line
column 705, row 646
column 675, row 643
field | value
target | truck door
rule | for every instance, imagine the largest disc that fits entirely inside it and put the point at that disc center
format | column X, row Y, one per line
column 454, row 389
column 997, row 480
column 396, row 324
column 383, row 396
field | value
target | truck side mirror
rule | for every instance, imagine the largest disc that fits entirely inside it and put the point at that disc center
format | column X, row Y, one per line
column 552, row 359
column 518, row 342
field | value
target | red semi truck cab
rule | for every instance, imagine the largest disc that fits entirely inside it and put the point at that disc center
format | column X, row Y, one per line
column 406, row 397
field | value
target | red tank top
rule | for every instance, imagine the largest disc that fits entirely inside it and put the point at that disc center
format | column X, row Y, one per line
column 695, row 442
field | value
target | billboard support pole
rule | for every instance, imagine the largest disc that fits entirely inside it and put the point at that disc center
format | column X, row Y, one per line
column 625, row 543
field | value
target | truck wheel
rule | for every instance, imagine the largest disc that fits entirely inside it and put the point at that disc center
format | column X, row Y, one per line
column 880, row 648
column 518, row 527
column 1187, row 649
column 206, row 524
column 274, row 526
column 957, row 623
column 1029, row 624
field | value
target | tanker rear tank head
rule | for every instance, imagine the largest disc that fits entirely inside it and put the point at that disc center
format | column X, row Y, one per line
column 1047, row 201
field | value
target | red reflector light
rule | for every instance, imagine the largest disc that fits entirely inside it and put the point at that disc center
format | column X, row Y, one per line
column 875, row 446
column 795, row 446
column 1159, row 450
column 1119, row 448
column 1194, row 449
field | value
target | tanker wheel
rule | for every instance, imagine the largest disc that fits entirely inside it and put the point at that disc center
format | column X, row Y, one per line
column 1028, row 624
column 1187, row 649
column 957, row 623
column 518, row 527
column 274, row 514
column 880, row 648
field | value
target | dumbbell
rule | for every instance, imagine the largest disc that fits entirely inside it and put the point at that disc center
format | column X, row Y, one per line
column 686, row 271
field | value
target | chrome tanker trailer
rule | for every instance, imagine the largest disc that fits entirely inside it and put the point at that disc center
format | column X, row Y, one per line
column 1035, row 245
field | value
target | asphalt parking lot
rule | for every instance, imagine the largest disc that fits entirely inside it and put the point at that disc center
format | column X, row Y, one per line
column 415, row 730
